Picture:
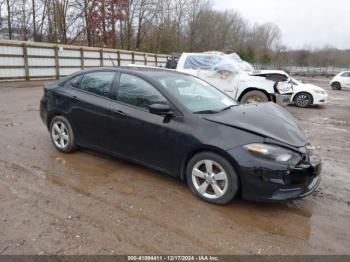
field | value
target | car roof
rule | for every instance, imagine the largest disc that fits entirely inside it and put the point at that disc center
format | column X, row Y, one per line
column 204, row 54
column 144, row 70
column 152, row 72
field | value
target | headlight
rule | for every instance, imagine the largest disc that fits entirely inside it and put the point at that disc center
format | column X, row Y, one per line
column 273, row 153
column 319, row 91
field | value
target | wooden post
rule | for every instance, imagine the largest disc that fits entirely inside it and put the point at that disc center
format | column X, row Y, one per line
column 82, row 58
column 118, row 54
column 57, row 65
column 133, row 57
column 101, row 57
column 25, row 58
column 145, row 57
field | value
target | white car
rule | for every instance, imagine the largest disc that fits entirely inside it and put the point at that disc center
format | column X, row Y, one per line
column 307, row 94
column 236, row 77
column 341, row 80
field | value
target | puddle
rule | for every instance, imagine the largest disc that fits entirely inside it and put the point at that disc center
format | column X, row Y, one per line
column 276, row 219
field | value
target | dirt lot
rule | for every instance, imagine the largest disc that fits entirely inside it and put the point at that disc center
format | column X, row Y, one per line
column 89, row 203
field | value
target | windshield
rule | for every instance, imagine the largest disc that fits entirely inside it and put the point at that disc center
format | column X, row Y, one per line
column 195, row 94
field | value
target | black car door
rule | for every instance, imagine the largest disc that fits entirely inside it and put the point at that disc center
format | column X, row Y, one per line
column 137, row 133
column 90, row 107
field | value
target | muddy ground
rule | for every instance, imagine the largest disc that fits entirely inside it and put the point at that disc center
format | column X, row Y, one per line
column 89, row 203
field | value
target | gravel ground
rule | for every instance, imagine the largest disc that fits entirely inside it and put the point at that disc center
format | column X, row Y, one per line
column 89, row 203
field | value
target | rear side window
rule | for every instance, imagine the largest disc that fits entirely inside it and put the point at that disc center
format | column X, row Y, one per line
column 75, row 81
column 346, row 74
column 99, row 83
column 137, row 92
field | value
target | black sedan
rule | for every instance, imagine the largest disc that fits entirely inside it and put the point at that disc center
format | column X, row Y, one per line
column 184, row 127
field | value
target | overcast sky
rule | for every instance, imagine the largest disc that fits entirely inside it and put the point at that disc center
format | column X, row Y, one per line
column 304, row 23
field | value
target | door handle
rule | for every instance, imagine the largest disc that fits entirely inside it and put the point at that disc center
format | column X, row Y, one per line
column 119, row 112
column 75, row 98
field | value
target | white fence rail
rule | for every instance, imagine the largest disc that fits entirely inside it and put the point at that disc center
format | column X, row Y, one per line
column 29, row 60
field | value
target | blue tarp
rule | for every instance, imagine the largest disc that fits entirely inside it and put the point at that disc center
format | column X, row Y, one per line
column 217, row 62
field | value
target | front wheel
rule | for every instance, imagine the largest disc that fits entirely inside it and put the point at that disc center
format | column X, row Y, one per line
column 254, row 97
column 303, row 100
column 336, row 86
column 212, row 178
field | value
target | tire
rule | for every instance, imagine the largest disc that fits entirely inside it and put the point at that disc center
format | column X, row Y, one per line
column 253, row 97
column 336, row 86
column 303, row 99
column 62, row 135
column 218, row 188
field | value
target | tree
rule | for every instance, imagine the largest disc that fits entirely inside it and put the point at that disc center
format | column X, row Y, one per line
column 164, row 26
column 195, row 8
column 146, row 10
column 9, row 24
column 34, row 20
column 250, row 55
column 266, row 59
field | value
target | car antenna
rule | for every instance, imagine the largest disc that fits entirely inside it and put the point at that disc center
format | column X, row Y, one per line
column 111, row 60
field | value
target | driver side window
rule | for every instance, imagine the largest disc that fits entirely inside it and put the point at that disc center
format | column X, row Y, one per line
column 137, row 92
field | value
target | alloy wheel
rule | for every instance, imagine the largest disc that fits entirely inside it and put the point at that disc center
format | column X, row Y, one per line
column 60, row 134
column 303, row 100
column 209, row 179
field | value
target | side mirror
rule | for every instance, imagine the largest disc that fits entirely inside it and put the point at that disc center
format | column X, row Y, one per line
column 160, row 109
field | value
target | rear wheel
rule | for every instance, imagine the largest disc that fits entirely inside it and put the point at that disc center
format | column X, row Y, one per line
column 212, row 178
column 303, row 99
column 62, row 135
column 254, row 97
column 336, row 86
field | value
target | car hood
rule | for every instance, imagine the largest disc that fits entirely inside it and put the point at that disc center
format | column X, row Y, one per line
column 268, row 120
column 312, row 87
column 266, row 72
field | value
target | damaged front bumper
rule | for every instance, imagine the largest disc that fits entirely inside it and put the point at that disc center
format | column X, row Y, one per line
column 300, row 182
column 267, row 181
